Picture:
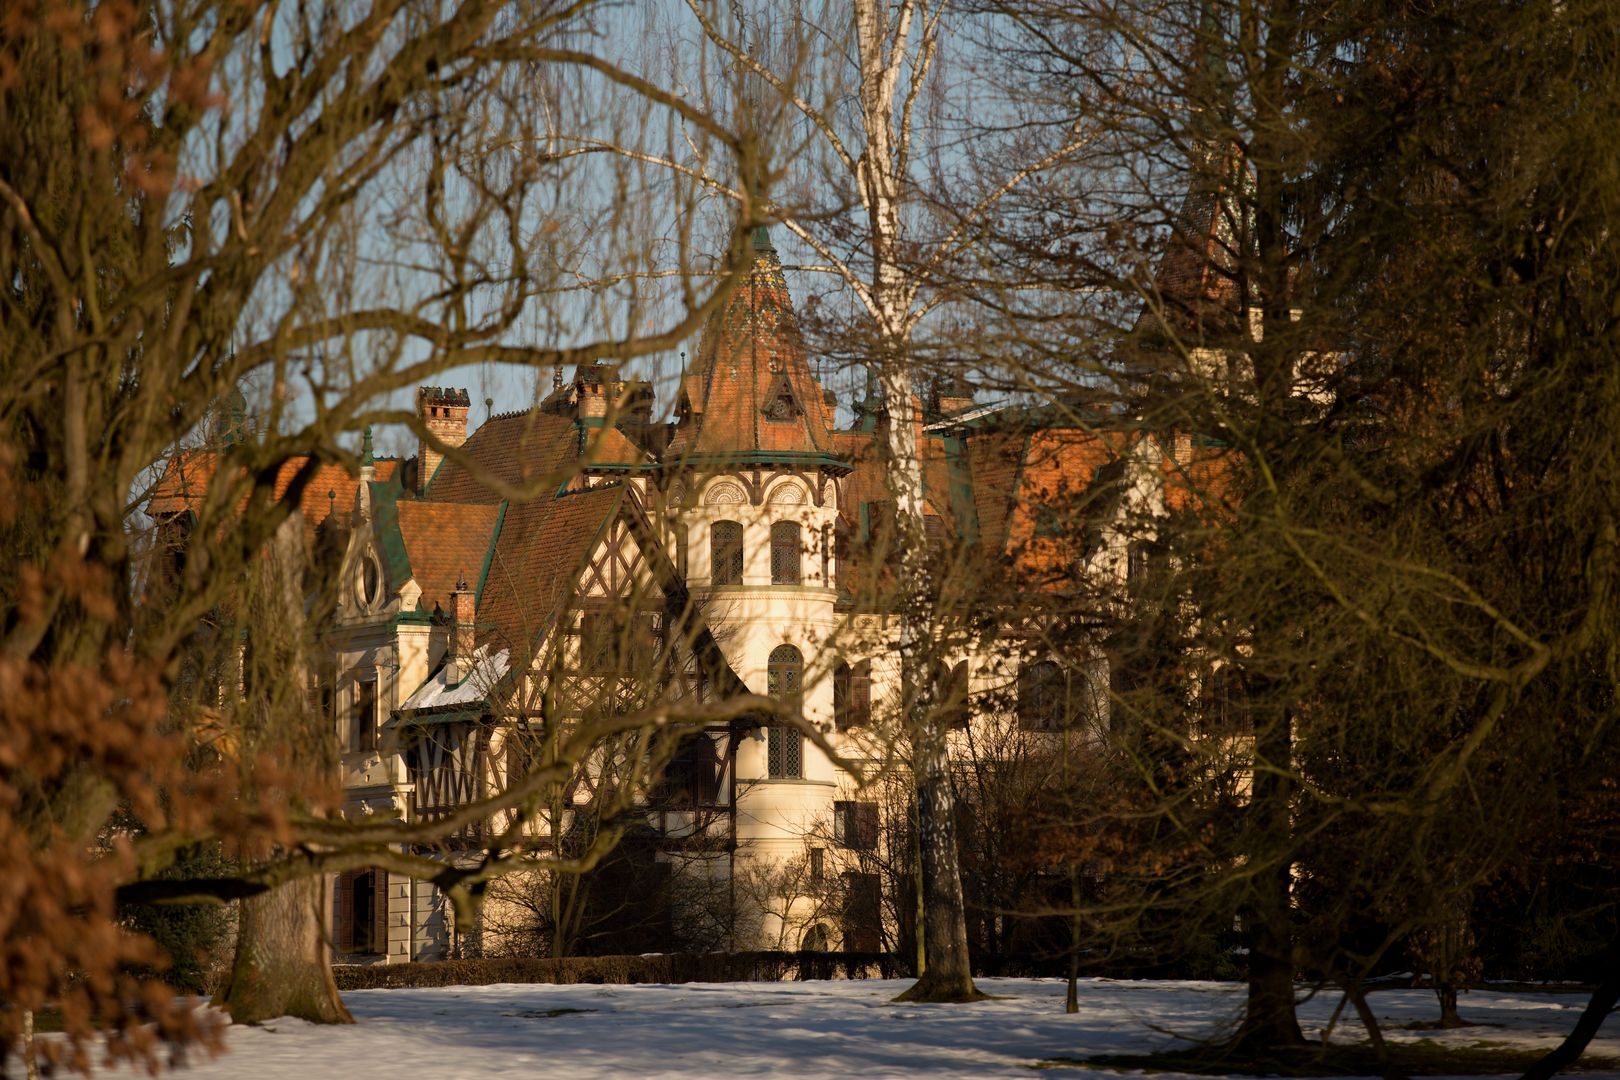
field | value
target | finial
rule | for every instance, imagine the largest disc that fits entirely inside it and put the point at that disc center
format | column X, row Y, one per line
column 556, row 378
column 331, row 497
column 461, row 582
column 489, row 407
column 365, row 448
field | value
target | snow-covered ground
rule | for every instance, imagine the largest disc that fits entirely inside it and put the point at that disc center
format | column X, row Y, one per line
column 831, row 1030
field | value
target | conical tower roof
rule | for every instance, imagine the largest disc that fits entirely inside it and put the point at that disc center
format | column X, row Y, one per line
column 750, row 395
column 1193, row 293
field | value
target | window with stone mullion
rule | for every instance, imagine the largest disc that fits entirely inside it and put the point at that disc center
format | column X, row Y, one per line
column 785, row 751
column 852, row 695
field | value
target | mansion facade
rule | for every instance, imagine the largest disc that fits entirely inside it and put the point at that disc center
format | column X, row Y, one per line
column 577, row 561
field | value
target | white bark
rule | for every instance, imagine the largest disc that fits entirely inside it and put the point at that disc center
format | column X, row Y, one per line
column 895, row 46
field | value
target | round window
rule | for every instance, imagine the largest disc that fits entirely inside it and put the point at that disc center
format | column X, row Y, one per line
column 370, row 582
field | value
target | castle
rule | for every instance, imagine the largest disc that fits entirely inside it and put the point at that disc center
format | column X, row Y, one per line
column 538, row 577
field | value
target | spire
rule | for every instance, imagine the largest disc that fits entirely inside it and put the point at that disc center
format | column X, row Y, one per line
column 1191, row 293
column 750, row 391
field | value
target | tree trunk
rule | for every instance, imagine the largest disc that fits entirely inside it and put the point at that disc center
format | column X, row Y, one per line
column 1369, row 1020
column 1071, row 1000
column 918, row 936
column 1447, row 993
column 283, row 964
column 283, row 967
column 948, row 975
column 1269, row 1022
column 1568, row 1052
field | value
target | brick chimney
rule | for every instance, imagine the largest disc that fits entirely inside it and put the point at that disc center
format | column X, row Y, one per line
column 1181, row 448
column 458, row 651
column 949, row 396
column 444, row 411
column 593, row 386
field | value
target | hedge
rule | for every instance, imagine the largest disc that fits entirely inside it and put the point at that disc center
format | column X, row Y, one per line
column 651, row 968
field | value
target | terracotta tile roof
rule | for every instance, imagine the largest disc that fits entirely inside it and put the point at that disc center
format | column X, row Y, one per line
column 538, row 558
column 529, row 447
column 1072, row 473
column 751, row 358
column 866, row 482
column 443, row 541
column 185, row 480
column 1199, row 476
column 866, row 485
column 610, row 446
column 1193, row 280
column 994, row 459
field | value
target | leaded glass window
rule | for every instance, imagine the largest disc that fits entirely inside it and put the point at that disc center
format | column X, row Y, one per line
column 786, row 553
column 784, row 673
column 726, row 553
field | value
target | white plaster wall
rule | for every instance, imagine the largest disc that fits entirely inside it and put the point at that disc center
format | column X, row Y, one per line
column 753, row 619
column 725, row 499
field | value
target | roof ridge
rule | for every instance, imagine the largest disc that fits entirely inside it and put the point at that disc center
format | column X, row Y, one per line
column 532, row 410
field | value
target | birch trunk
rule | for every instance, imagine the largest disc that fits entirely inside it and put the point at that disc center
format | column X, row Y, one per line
column 947, row 973
column 894, row 50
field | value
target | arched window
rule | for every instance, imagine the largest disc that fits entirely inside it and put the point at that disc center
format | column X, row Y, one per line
column 786, row 553
column 725, row 553
column 852, row 695
column 784, row 674
column 1042, row 698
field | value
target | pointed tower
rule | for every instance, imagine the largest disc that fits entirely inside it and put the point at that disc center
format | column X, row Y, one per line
column 754, row 492
column 750, row 396
column 1192, row 297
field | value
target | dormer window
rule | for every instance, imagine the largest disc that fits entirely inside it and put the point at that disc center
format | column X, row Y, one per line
column 780, row 404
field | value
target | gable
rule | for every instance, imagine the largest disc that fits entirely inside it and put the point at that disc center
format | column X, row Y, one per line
column 617, row 568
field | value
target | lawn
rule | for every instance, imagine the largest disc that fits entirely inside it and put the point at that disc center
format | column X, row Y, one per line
column 831, row 1030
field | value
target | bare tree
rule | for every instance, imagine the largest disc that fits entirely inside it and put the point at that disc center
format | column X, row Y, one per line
column 301, row 203
column 1310, row 265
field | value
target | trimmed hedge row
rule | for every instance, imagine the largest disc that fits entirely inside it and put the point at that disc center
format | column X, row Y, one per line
column 652, row 968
